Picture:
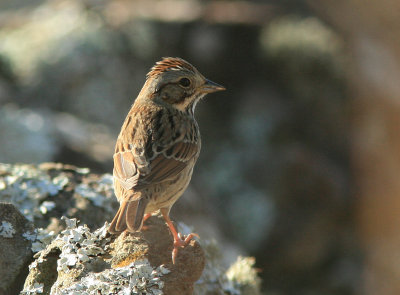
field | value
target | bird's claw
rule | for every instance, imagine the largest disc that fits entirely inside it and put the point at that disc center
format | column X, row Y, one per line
column 180, row 243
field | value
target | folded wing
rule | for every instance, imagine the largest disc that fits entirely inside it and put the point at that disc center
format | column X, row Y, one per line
column 142, row 161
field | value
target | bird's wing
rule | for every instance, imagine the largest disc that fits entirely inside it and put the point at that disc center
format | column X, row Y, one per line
column 152, row 153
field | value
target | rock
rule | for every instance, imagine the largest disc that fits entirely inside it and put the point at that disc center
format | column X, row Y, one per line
column 79, row 261
column 15, row 248
column 155, row 244
column 43, row 271
column 139, row 261
column 82, row 259
column 48, row 191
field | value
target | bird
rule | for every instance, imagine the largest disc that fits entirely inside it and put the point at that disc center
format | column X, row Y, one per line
column 158, row 146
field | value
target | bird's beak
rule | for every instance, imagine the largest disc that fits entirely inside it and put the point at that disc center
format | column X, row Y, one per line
column 210, row 86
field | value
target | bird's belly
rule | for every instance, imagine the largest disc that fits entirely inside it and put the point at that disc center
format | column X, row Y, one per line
column 165, row 194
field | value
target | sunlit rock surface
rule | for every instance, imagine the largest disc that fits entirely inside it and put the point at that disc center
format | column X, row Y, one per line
column 83, row 258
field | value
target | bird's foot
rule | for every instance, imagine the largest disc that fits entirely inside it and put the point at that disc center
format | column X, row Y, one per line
column 181, row 242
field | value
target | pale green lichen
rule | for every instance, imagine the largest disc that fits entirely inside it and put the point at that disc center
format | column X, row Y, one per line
column 27, row 188
column 213, row 279
column 244, row 276
column 78, row 244
column 241, row 278
column 137, row 278
column 31, row 189
column 37, row 288
column 6, row 230
column 98, row 192
column 40, row 238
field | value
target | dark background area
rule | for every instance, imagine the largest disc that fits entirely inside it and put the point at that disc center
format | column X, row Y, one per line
column 275, row 178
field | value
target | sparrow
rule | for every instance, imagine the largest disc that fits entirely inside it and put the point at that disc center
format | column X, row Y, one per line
column 158, row 146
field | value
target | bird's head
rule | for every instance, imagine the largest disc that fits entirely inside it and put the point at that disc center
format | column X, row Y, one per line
column 176, row 82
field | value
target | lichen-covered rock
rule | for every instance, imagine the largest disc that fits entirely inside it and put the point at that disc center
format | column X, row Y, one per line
column 15, row 248
column 44, row 193
column 80, row 261
column 43, row 271
column 77, row 259
column 155, row 244
column 244, row 276
column 86, row 262
column 241, row 278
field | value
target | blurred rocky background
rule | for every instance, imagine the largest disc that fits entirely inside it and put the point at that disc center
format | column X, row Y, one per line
column 299, row 165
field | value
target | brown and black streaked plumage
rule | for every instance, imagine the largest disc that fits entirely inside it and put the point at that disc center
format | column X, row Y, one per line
column 158, row 145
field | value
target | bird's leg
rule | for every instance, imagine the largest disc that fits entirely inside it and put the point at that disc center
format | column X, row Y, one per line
column 178, row 240
column 145, row 217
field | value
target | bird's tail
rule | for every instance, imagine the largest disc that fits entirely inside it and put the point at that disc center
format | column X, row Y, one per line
column 129, row 216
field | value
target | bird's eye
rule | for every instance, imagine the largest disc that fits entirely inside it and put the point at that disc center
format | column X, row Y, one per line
column 185, row 82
